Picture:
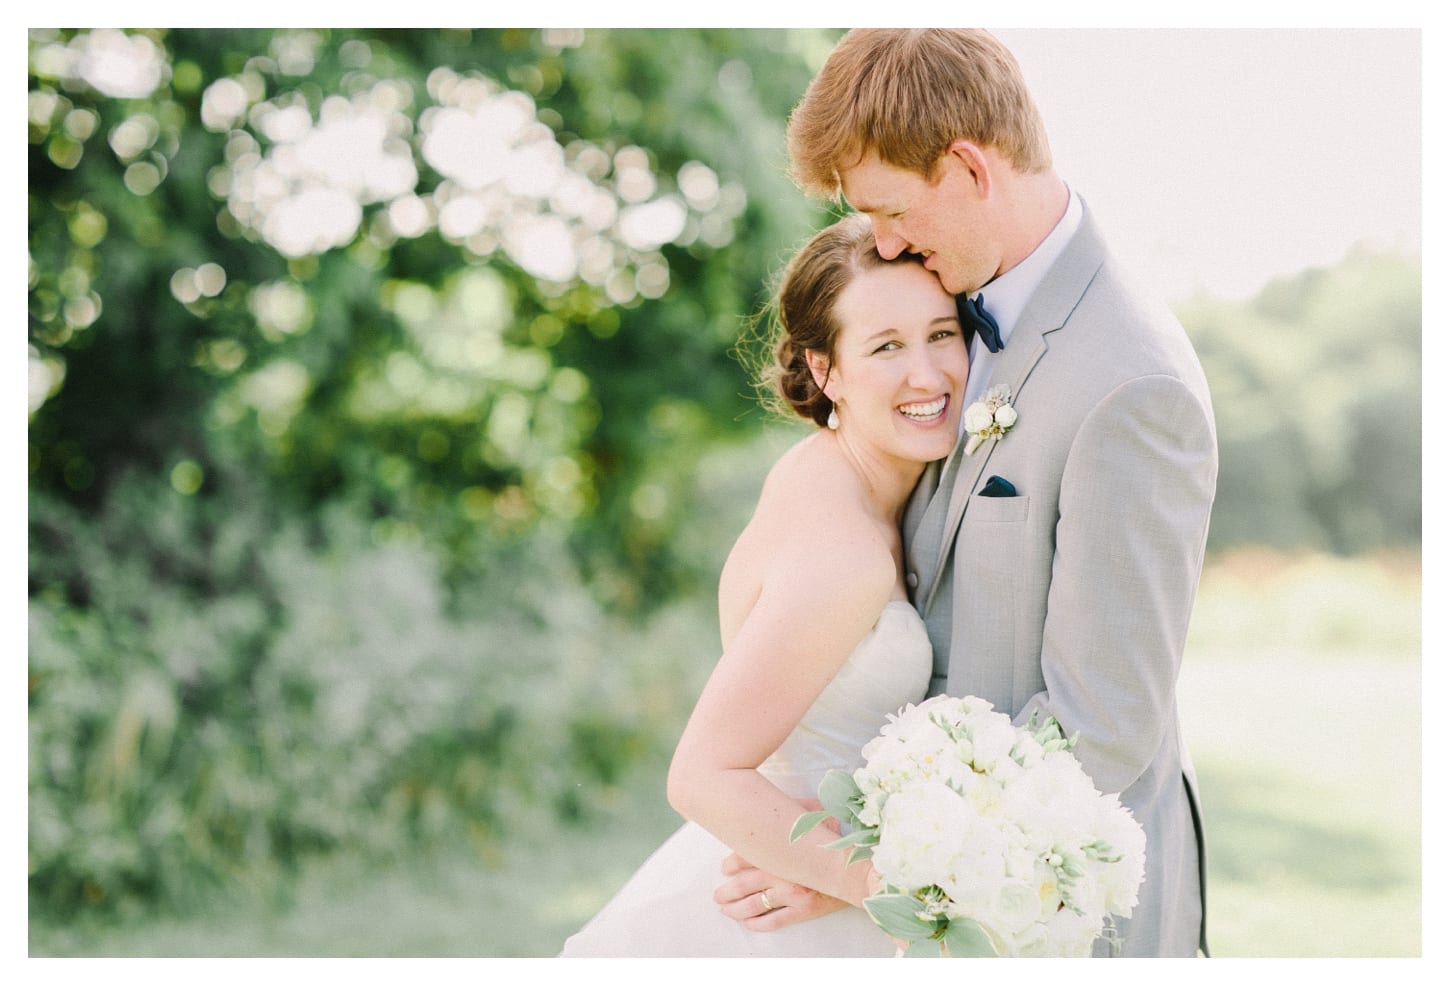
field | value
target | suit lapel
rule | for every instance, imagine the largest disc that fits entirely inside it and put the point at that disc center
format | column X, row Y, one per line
column 1014, row 372
column 916, row 504
column 1048, row 311
column 1014, row 375
column 921, row 539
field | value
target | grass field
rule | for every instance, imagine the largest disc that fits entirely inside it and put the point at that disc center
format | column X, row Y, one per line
column 1302, row 706
column 1301, row 697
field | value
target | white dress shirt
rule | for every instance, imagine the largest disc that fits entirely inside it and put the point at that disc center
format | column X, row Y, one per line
column 1006, row 295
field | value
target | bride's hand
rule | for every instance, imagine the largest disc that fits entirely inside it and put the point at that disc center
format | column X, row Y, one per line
column 764, row 902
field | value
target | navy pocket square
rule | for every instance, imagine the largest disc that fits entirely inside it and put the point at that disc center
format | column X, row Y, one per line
column 997, row 486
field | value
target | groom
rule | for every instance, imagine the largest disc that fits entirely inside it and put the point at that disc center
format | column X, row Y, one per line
column 1056, row 564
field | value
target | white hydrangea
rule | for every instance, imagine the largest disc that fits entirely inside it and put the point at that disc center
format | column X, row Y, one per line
column 922, row 829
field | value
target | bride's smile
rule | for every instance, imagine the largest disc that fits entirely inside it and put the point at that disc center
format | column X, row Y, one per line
column 900, row 367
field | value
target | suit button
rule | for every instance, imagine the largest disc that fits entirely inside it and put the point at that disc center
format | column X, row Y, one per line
column 911, row 579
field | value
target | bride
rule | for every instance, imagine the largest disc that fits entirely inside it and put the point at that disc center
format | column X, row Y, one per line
column 820, row 640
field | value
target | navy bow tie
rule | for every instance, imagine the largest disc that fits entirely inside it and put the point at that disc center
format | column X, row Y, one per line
column 977, row 319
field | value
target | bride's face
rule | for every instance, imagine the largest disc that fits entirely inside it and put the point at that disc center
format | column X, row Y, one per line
column 901, row 363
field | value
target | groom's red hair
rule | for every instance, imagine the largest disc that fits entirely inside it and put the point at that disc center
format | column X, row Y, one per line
column 907, row 94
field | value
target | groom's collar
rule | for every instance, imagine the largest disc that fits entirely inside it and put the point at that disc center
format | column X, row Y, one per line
column 1006, row 295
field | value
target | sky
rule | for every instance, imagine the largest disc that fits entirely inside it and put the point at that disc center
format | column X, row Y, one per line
column 1218, row 159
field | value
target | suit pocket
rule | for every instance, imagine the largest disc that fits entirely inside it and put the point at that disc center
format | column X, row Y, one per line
column 989, row 598
column 988, row 595
column 996, row 510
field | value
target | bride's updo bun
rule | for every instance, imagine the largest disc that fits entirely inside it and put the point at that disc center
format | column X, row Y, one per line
column 805, row 313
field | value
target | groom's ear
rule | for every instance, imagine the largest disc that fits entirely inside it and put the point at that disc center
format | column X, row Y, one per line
column 966, row 154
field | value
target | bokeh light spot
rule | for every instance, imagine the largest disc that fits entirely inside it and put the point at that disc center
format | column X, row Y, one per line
column 186, row 477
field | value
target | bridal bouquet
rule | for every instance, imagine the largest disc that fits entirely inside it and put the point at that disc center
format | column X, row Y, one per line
column 989, row 839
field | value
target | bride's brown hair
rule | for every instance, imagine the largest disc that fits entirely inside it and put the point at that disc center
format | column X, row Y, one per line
column 805, row 313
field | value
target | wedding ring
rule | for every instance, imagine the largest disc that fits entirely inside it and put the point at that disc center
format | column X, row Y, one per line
column 765, row 901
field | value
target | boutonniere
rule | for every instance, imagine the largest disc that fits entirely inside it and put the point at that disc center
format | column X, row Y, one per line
column 990, row 418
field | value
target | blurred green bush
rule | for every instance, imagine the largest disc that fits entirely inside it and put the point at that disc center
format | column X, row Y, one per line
column 214, row 698
column 1316, row 386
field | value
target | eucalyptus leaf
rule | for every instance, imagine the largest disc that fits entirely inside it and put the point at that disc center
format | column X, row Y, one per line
column 897, row 915
column 965, row 939
column 927, row 948
column 839, row 794
column 807, row 822
column 860, row 837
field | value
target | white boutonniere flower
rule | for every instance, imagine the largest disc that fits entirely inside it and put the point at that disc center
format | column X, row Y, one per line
column 989, row 418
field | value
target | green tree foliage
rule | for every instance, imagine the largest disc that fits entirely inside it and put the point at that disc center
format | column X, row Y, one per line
column 1316, row 388
column 369, row 372
column 259, row 266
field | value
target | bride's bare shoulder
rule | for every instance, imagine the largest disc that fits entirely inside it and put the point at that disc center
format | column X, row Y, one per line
column 811, row 544
column 809, row 471
column 813, row 495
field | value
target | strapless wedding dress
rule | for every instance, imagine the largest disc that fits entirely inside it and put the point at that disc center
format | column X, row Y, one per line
column 666, row 909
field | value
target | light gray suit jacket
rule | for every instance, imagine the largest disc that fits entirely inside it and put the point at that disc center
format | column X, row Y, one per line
column 1072, row 598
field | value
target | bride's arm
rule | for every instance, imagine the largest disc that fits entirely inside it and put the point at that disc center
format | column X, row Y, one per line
column 817, row 603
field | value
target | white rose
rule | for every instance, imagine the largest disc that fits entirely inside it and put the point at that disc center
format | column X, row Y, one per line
column 978, row 418
column 1006, row 416
column 1014, row 908
column 1031, row 942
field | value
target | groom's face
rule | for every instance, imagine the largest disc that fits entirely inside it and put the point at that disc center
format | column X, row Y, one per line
column 937, row 217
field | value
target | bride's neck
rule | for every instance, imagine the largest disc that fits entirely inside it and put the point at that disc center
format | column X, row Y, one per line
column 886, row 481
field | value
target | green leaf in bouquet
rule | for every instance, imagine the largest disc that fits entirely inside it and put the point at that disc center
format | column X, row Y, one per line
column 926, row 948
column 858, row 854
column 807, row 822
column 839, row 794
column 1102, row 852
column 899, row 916
column 965, row 939
column 860, row 837
column 1049, row 734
